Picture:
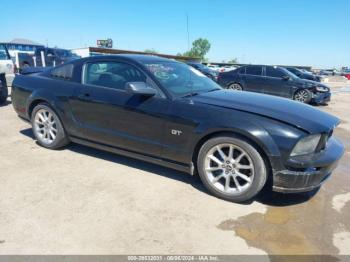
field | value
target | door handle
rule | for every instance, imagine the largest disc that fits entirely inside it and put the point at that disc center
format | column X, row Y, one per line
column 84, row 95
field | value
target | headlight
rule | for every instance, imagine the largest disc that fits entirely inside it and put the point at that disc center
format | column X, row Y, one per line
column 321, row 89
column 306, row 145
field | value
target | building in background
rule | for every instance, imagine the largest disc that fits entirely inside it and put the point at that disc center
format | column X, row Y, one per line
column 92, row 51
column 21, row 45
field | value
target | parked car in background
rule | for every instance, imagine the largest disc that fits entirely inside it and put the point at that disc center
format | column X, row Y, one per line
column 274, row 80
column 306, row 71
column 227, row 68
column 346, row 73
column 3, row 89
column 304, row 74
column 329, row 72
column 164, row 112
column 213, row 75
column 53, row 56
column 214, row 67
column 6, row 64
column 221, row 69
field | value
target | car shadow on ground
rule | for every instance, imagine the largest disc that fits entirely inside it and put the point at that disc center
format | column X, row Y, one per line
column 7, row 102
column 266, row 196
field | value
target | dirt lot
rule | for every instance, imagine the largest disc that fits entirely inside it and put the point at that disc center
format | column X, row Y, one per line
column 84, row 201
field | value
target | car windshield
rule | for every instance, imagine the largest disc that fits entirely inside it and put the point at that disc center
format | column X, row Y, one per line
column 288, row 73
column 202, row 67
column 180, row 79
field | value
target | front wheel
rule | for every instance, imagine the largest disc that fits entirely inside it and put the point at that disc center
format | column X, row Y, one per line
column 47, row 127
column 235, row 86
column 302, row 95
column 231, row 168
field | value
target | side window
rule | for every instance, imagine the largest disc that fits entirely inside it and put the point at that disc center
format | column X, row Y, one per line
column 254, row 70
column 63, row 72
column 241, row 70
column 111, row 74
column 38, row 51
column 274, row 72
column 50, row 52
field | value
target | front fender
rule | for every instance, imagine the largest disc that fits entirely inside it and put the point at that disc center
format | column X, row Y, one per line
column 274, row 138
column 251, row 131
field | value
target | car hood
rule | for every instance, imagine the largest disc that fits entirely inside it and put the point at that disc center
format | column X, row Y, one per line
column 288, row 111
column 209, row 71
column 308, row 83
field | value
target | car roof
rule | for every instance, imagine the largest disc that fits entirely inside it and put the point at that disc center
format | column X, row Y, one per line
column 132, row 57
column 262, row 65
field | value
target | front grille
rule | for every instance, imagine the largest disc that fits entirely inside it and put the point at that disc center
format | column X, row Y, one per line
column 299, row 180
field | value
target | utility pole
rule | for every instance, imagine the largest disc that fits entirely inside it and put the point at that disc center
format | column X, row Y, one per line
column 188, row 34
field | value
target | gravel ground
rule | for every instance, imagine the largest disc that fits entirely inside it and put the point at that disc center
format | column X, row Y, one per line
column 80, row 200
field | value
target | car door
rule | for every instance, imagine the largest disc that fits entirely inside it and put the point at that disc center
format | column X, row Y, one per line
column 106, row 113
column 253, row 79
column 276, row 82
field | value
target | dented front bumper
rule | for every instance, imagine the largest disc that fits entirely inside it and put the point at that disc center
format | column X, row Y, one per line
column 305, row 173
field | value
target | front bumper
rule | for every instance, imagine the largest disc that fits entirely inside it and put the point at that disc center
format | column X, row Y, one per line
column 319, row 98
column 305, row 173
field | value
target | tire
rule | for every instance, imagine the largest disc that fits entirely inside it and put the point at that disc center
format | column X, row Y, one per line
column 235, row 86
column 302, row 95
column 25, row 65
column 216, row 180
column 44, row 119
column 3, row 94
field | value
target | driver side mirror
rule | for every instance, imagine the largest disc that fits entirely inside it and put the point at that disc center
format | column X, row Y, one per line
column 285, row 78
column 140, row 88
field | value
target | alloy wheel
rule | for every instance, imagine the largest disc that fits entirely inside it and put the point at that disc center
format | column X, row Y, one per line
column 229, row 169
column 301, row 96
column 235, row 87
column 45, row 126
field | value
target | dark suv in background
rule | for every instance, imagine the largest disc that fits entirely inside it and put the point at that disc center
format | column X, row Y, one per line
column 54, row 56
column 274, row 80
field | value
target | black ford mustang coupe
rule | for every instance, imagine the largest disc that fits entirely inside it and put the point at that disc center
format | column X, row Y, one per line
column 168, row 113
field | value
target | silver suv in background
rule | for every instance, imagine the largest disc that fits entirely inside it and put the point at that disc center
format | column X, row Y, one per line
column 6, row 64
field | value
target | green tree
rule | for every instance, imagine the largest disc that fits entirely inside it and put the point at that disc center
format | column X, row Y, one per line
column 200, row 48
column 151, row 51
column 233, row 61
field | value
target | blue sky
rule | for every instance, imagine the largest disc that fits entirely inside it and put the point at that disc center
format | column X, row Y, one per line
column 295, row 32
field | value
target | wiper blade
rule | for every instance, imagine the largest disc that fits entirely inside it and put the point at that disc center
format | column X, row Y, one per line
column 190, row 94
column 215, row 89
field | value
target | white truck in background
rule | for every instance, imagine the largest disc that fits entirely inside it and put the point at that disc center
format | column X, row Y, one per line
column 6, row 65
column 6, row 73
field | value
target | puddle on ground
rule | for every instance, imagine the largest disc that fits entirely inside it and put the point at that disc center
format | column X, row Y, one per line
column 341, row 90
column 299, row 224
column 345, row 89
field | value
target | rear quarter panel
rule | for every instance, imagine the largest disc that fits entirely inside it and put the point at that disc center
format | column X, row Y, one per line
column 29, row 89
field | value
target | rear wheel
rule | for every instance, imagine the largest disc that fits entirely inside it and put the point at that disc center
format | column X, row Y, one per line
column 231, row 168
column 235, row 86
column 47, row 127
column 302, row 95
